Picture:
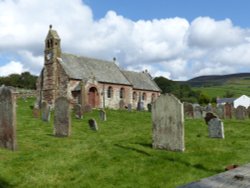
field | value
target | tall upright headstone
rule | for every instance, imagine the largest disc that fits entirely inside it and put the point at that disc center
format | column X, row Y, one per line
column 197, row 112
column 102, row 115
column 7, row 118
column 45, row 110
column 62, row 117
column 228, row 111
column 168, row 123
column 220, row 111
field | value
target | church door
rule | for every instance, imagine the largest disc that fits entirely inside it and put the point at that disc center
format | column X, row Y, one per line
column 93, row 97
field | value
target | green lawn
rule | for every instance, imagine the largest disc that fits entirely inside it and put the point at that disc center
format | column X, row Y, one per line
column 118, row 155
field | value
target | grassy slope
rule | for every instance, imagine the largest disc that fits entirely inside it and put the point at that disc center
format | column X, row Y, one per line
column 119, row 155
column 237, row 86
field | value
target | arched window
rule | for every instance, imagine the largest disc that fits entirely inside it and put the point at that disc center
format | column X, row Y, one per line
column 153, row 97
column 134, row 95
column 122, row 93
column 144, row 96
column 110, row 92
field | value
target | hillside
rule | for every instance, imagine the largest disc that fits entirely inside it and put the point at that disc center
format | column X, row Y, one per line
column 219, row 86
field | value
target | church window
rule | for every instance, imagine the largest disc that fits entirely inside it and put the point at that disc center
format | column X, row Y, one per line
column 110, row 92
column 122, row 93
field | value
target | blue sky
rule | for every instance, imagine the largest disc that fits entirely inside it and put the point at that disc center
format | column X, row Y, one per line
column 237, row 11
column 177, row 39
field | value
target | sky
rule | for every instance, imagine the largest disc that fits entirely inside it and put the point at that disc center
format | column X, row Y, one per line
column 177, row 39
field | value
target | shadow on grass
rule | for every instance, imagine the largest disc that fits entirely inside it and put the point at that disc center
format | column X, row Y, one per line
column 145, row 145
column 132, row 149
column 4, row 184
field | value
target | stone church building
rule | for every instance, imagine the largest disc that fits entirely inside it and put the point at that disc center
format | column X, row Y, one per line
column 89, row 81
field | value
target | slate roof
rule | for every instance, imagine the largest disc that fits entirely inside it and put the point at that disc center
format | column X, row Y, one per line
column 225, row 100
column 141, row 80
column 85, row 68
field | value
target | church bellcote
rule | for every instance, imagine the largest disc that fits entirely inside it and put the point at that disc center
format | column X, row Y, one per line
column 52, row 46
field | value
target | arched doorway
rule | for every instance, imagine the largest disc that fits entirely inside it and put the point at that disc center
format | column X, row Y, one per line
column 93, row 97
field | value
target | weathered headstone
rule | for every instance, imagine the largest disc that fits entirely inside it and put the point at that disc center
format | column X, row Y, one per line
column 209, row 108
column 240, row 112
column 121, row 104
column 220, row 111
column 248, row 112
column 102, row 115
column 188, row 110
column 168, row 123
column 216, row 128
column 129, row 107
column 7, row 118
column 45, row 111
column 93, row 125
column 62, row 117
column 197, row 112
column 149, row 107
column 78, row 111
column 228, row 111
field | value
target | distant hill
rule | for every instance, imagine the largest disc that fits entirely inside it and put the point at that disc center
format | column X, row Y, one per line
column 221, row 86
column 216, row 80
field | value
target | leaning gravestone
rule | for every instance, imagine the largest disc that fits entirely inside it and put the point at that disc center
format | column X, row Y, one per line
column 240, row 112
column 168, row 123
column 78, row 111
column 140, row 106
column 228, row 111
column 7, row 119
column 149, row 107
column 62, row 117
column 216, row 128
column 102, row 115
column 45, row 111
column 93, row 125
column 248, row 112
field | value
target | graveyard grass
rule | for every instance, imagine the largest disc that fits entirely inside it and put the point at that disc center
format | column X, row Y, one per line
column 119, row 155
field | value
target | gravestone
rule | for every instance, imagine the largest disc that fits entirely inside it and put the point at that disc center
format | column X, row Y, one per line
column 240, row 113
column 248, row 112
column 140, row 106
column 168, row 123
column 228, row 111
column 197, row 112
column 216, row 128
column 36, row 112
column 62, row 117
column 78, row 111
column 45, row 108
column 87, row 108
column 102, row 115
column 129, row 107
column 121, row 104
column 149, row 107
column 220, row 111
column 7, row 118
column 209, row 108
column 93, row 125
column 188, row 110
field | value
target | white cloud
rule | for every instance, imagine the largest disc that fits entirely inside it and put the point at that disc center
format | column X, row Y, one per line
column 12, row 67
column 171, row 47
